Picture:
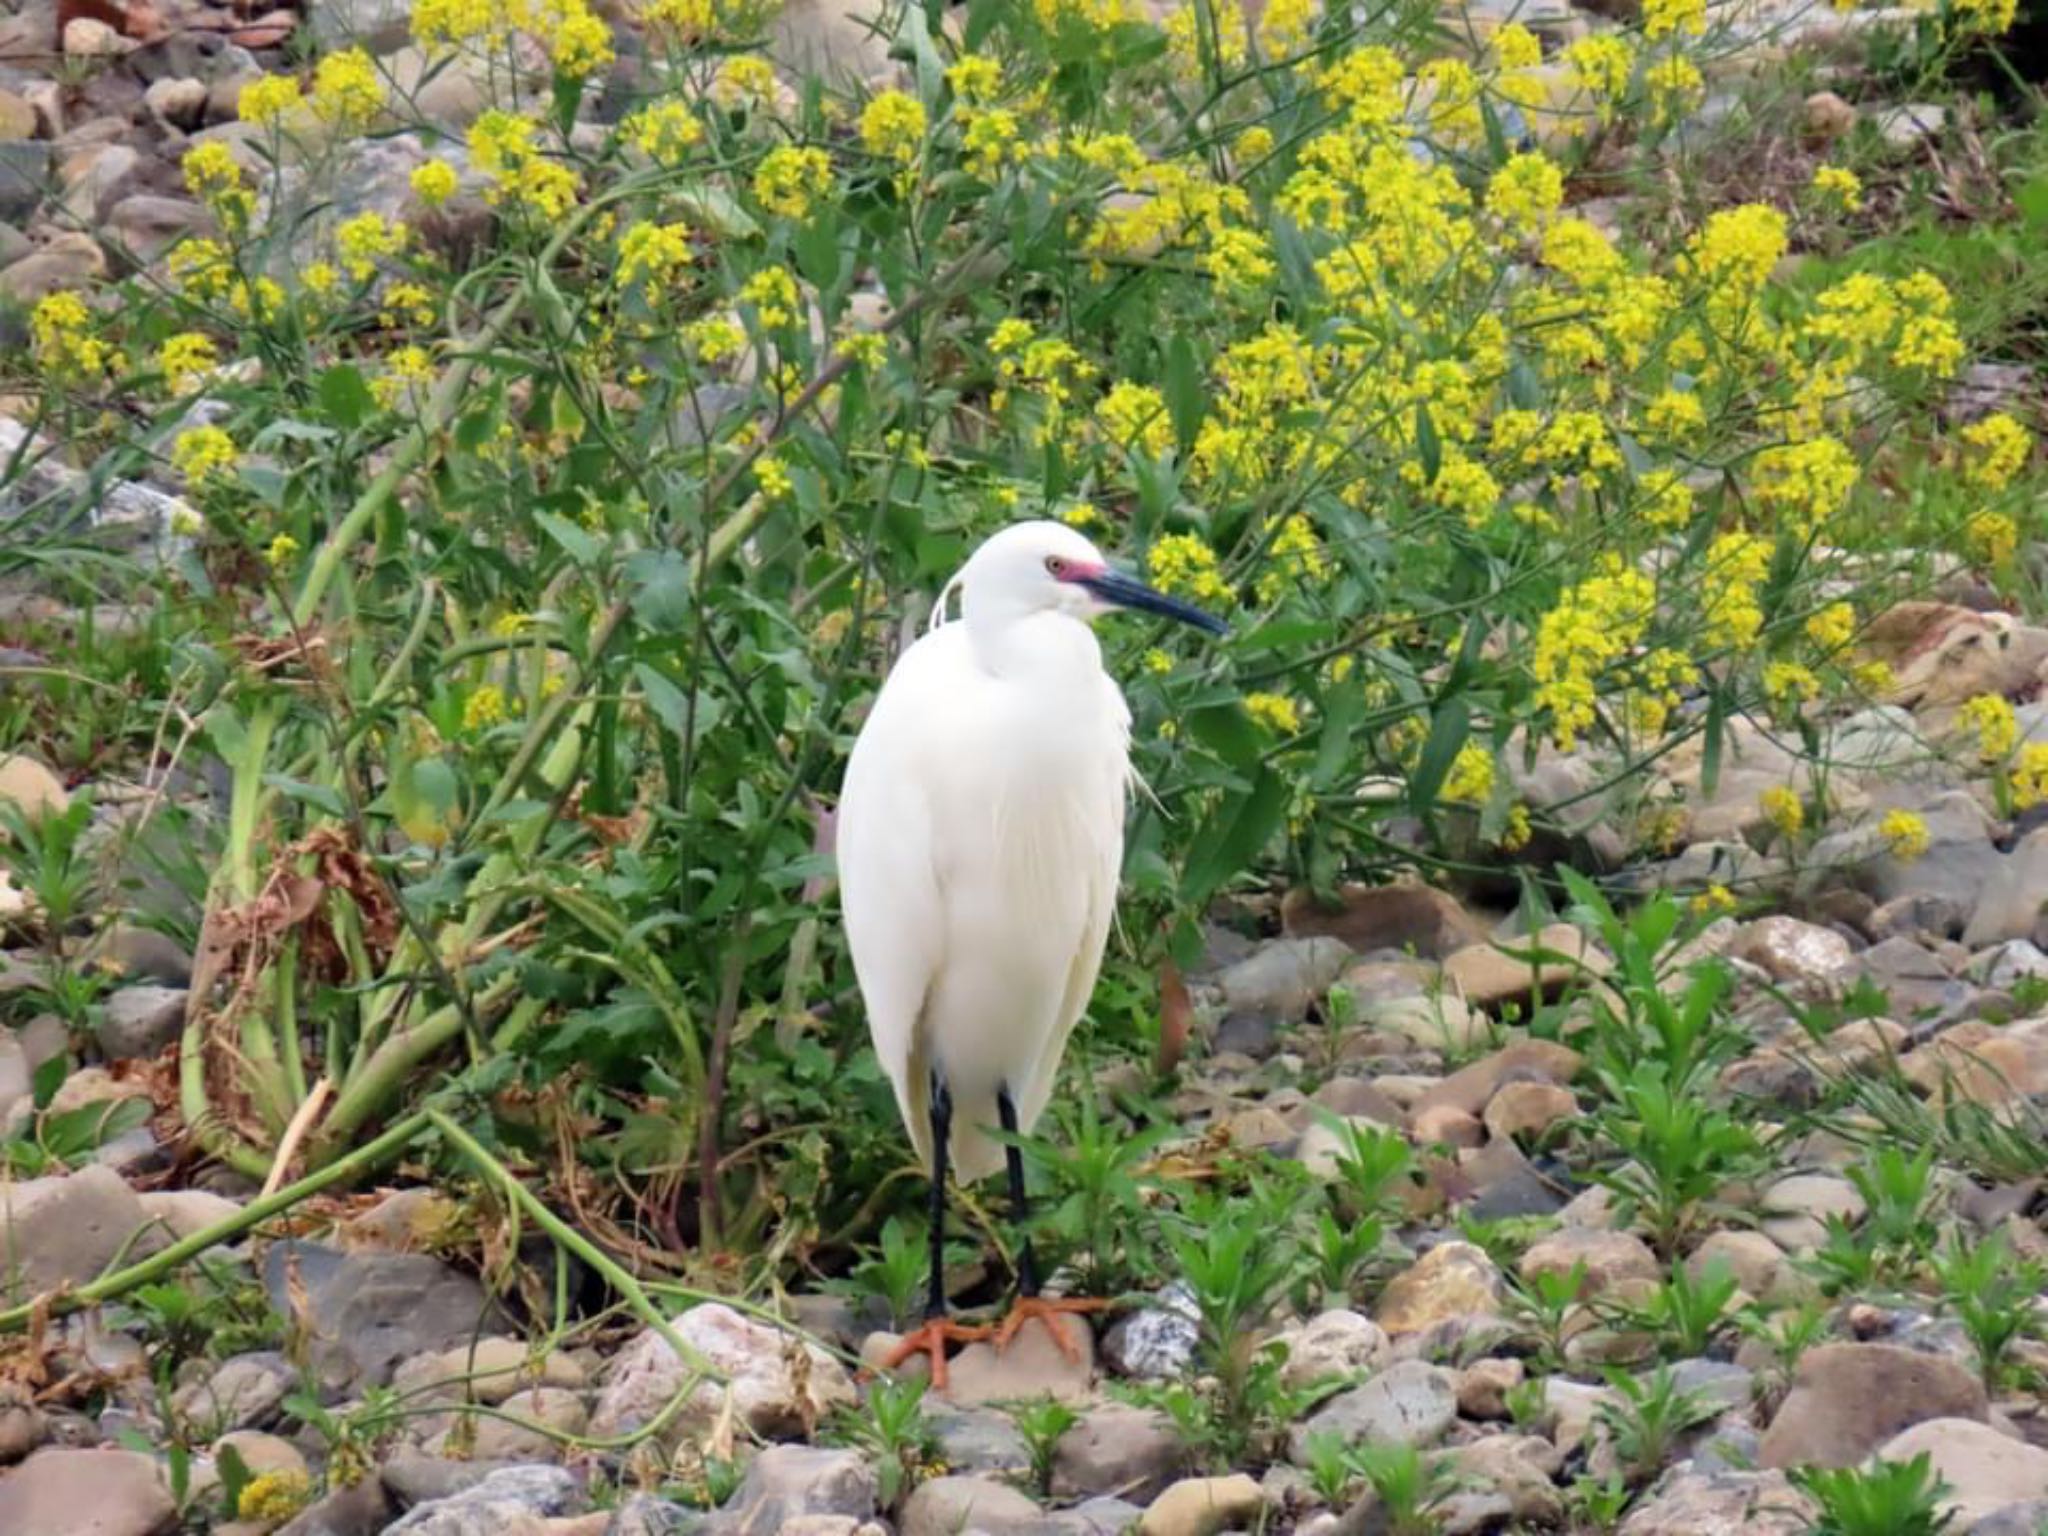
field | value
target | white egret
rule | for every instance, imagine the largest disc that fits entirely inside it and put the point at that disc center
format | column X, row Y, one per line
column 980, row 833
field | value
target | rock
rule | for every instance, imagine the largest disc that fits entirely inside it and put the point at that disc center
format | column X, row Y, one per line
column 1723, row 1504
column 1324, row 1147
column 1529, row 1109
column 1790, row 951
column 1498, row 1181
column 1445, row 1125
column 489, row 1372
column 243, row 1392
column 2010, row 903
column 17, row 117
column 140, row 1021
column 1484, row 1385
column 768, row 1393
column 1133, row 1453
column 1410, row 917
column 2010, row 963
column 413, row 1478
column 1032, row 1366
column 645, row 1515
column 1828, row 117
column 1441, row 1023
column 143, row 226
column 977, row 1439
column 549, row 1414
column 31, row 788
column 1520, row 1468
column 1100, row 1517
column 1909, row 126
column 367, row 1311
column 788, row 1481
column 1156, row 1343
column 1202, row 1506
column 2028, row 1519
column 1338, row 1345
column 1284, row 978
column 63, row 1492
column 1409, row 1403
column 1452, row 1280
column 180, row 103
column 1849, row 1399
column 360, row 1509
column 92, row 1085
column 1572, row 1409
column 945, row 1506
column 509, row 1502
column 1985, row 1470
column 1611, row 1259
column 1981, row 1063
column 86, row 38
column 67, row 262
column 1720, row 1383
column 1488, row 975
column 136, row 953
column 182, row 1212
column 379, row 26
column 22, row 1424
column 1472, row 1088
column 262, row 1453
column 66, row 1229
column 1758, row 1265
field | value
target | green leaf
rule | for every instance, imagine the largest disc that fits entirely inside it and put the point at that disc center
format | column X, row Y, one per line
column 1186, row 400
column 670, row 704
column 578, row 543
column 1427, row 443
column 1227, row 731
column 1717, row 730
column 661, row 589
column 1447, row 733
column 1233, row 836
column 323, row 798
column 2032, row 201
column 344, row 396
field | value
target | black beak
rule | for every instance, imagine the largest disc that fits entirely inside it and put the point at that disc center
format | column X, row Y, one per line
column 1121, row 591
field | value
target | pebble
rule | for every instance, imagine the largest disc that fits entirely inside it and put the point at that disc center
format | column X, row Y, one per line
column 1529, row 1109
column 1156, row 1343
column 1610, row 1259
column 366, row 1312
column 1409, row 1403
column 31, row 788
column 788, row 1482
column 1723, row 1504
column 488, row 1371
column 1130, row 1452
column 1986, row 1471
column 64, row 1492
column 946, row 1506
column 1484, row 1385
column 509, row 1497
column 65, row 1229
column 1847, row 1400
column 140, row 1021
column 1334, row 1346
column 761, row 1387
column 1202, row 1506
column 1452, row 1280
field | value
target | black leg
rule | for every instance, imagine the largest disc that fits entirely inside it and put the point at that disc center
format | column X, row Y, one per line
column 942, row 1133
column 1020, row 1211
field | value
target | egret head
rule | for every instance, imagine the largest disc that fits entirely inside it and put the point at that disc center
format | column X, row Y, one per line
column 1045, row 566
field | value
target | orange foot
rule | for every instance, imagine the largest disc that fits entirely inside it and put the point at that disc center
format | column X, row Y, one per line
column 1045, row 1309
column 931, row 1338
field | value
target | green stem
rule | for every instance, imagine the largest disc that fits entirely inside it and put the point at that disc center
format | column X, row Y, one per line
column 120, row 1282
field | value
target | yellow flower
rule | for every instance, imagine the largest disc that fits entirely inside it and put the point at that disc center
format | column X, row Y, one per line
column 213, row 176
column 892, row 125
column 581, row 44
column 1736, row 562
column 1928, row 339
column 1840, row 186
column 1601, row 64
column 1295, row 558
column 1675, row 416
column 1525, row 192
column 347, row 91
column 1787, row 684
column 1157, row 662
column 1714, row 900
column 975, row 78
column 1516, row 831
column 1675, row 84
column 364, row 240
column 714, row 339
column 269, row 99
column 1275, row 711
column 201, row 269
column 664, row 131
column 405, row 370
column 773, row 293
column 1254, row 144
column 1990, row 17
column 1661, row 18
column 1593, row 626
column 1667, row 500
column 1470, row 780
column 1738, row 247
column 2028, row 779
column 870, row 349
column 499, row 141
column 773, row 476
column 651, row 255
column 1237, row 259
column 201, row 453
column 1516, row 47
column 434, row 182
column 1992, row 537
column 2001, row 447
column 1182, row 563
column 407, row 304
column 1783, row 809
column 744, row 78
column 1832, row 627
column 1998, row 729
column 1904, row 834
column 789, row 179
column 1134, row 417
column 183, row 358
column 1808, row 482
column 59, row 333
column 273, row 1497
column 485, row 707
column 320, row 278
column 281, row 550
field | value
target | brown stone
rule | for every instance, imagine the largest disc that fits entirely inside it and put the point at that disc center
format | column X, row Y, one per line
column 1405, row 916
column 1451, row 1280
column 1508, row 970
column 1528, row 1109
column 1610, row 1258
column 1472, row 1088
column 1849, row 1399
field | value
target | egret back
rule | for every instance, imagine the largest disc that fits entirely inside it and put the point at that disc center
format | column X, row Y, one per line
column 980, row 834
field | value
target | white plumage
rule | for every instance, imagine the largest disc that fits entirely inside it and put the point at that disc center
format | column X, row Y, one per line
column 980, row 834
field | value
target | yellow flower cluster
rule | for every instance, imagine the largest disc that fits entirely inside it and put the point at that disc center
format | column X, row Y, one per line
column 1525, row 192
column 1832, row 627
column 60, row 336
column 1840, row 186
column 1999, row 447
column 1788, row 684
column 773, row 477
column 184, row 357
column 1275, row 711
column 1667, row 500
column 1991, row 537
column 1185, row 565
column 365, row 240
column 1470, row 780
column 269, row 99
column 201, row 454
column 2027, row 779
column 434, row 182
column 407, row 370
column 281, row 551
column 1294, row 559
column 1133, row 417
column 347, row 90
column 1904, row 835
column 1736, row 562
column 790, row 178
column 1737, row 248
column 214, row 177
column 664, row 131
column 892, row 126
column 1593, row 627
column 1807, row 482
column 773, row 293
column 485, row 706
column 1997, row 727
column 651, row 256
column 1783, row 809
column 975, row 78
column 1663, row 18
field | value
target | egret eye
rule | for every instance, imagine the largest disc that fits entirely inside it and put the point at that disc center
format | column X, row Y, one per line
column 1056, row 566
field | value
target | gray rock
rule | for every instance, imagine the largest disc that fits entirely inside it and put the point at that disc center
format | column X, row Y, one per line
column 22, row 1424
column 368, row 1311
column 1909, row 126
column 786, row 1481
column 2011, row 900
column 1723, row 1504
column 67, row 1228
column 1097, row 1517
column 1986, row 1471
column 414, row 1478
column 2016, row 961
column 946, row 1506
column 244, row 1392
column 1156, row 1343
column 1133, row 1453
column 132, row 517
column 508, row 1495
column 977, row 1439
column 143, row 226
column 2028, row 1519
column 487, row 1371
column 1409, row 1403
column 1284, row 978
column 1849, row 1399
column 62, row 1492
column 1720, row 1382
column 140, row 1021
column 528, row 1426
column 645, row 1515
column 24, row 176
column 180, row 102
column 380, row 26
column 17, row 1085
column 361, row 1509
column 1339, row 1345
